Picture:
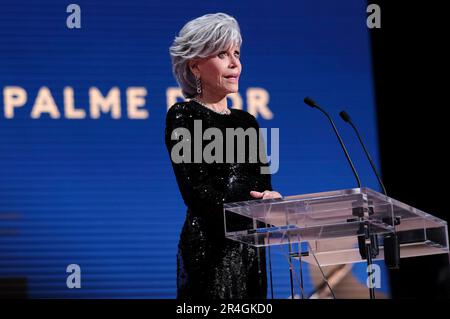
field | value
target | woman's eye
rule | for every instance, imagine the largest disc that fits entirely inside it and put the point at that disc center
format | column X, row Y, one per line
column 222, row 55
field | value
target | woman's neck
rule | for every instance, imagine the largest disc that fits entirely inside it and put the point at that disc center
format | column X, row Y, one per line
column 216, row 103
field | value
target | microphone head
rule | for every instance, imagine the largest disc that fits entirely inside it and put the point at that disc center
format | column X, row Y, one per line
column 345, row 116
column 309, row 101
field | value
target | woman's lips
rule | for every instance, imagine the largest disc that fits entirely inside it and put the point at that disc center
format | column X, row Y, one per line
column 232, row 78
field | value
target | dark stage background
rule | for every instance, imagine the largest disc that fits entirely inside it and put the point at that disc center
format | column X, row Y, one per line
column 410, row 59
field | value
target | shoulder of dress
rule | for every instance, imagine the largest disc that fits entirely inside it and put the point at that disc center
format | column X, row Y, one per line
column 179, row 108
column 243, row 113
column 180, row 114
column 246, row 115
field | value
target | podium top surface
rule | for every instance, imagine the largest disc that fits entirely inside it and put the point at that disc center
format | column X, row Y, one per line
column 331, row 207
column 332, row 221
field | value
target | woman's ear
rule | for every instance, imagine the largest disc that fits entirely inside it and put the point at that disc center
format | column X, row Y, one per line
column 193, row 66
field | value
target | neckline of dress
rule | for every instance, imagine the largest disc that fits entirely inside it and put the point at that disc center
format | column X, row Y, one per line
column 209, row 109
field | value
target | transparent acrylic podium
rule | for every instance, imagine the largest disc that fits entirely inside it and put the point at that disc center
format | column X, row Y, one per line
column 335, row 226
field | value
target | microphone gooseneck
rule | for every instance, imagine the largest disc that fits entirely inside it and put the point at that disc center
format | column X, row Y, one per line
column 310, row 102
column 344, row 115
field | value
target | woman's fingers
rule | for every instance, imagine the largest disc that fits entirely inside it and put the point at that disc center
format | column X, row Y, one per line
column 271, row 194
column 266, row 194
column 256, row 194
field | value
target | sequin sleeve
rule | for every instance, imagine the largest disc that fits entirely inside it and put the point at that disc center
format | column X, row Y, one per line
column 265, row 180
column 196, row 185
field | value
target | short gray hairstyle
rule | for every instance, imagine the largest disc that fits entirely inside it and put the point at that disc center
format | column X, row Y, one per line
column 199, row 38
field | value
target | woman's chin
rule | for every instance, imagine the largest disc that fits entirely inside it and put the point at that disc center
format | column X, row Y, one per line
column 233, row 90
column 228, row 90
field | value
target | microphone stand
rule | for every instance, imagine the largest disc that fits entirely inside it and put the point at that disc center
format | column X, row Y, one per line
column 391, row 245
column 368, row 244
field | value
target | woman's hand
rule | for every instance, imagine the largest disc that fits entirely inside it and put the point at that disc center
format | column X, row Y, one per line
column 266, row 194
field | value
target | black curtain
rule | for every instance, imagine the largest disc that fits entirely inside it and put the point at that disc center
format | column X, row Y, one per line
column 410, row 63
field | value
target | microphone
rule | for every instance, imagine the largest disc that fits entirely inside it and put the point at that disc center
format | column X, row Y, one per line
column 391, row 244
column 344, row 115
column 311, row 103
column 367, row 242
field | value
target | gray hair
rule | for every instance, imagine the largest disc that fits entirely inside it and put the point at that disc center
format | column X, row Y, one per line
column 200, row 38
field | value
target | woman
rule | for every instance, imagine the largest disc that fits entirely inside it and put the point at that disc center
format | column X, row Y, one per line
column 205, row 60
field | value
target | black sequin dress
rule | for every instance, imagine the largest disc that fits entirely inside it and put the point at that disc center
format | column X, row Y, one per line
column 209, row 266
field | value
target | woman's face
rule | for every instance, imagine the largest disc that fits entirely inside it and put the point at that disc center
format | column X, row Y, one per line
column 219, row 73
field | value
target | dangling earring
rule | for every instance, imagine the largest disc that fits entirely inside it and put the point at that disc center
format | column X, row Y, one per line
column 198, row 84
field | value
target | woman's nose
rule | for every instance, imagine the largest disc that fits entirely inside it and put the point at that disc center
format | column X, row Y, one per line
column 233, row 62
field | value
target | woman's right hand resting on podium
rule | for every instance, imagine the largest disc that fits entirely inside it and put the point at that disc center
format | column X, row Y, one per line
column 266, row 194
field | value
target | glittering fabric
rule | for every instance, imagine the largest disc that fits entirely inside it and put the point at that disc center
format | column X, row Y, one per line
column 209, row 266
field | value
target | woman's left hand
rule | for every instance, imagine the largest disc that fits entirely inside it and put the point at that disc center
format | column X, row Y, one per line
column 266, row 194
